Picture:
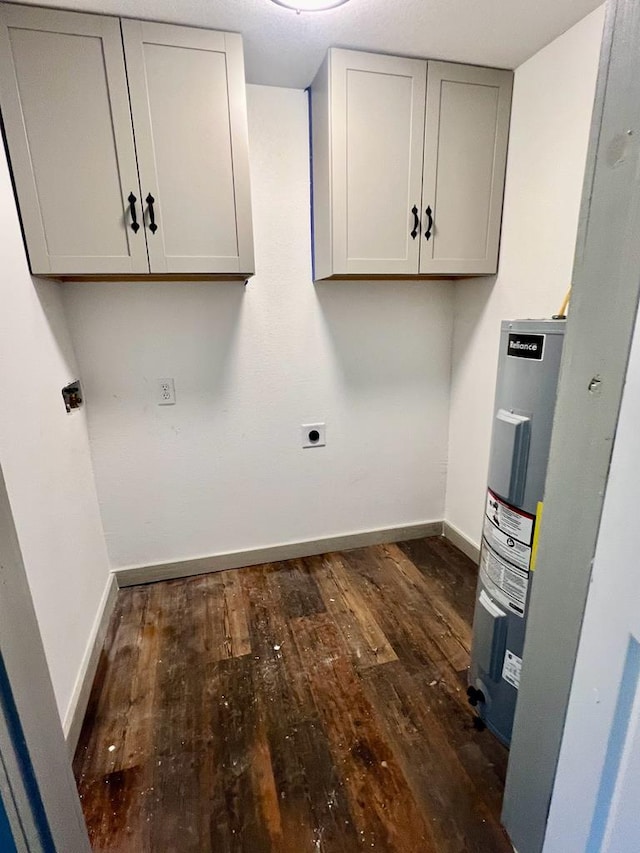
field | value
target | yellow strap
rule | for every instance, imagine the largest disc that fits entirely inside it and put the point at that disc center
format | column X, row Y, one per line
column 536, row 537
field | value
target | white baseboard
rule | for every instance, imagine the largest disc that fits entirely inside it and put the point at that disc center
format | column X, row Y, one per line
column 74, row 717
column 461, row 541
column 289, row 551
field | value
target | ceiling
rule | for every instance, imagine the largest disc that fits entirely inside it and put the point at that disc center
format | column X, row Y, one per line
column 286, row 49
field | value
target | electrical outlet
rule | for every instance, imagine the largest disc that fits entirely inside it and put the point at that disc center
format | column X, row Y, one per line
column 314, row 435
column 72, row 396
column 166, row 392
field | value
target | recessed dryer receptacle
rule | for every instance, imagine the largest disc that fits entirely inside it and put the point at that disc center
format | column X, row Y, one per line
column 72, row 396
column 314, row 435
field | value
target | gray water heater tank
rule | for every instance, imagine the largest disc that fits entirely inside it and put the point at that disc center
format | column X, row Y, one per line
column 528, row 369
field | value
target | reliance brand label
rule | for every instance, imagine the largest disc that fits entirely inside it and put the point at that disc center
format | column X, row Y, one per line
column 526, row 346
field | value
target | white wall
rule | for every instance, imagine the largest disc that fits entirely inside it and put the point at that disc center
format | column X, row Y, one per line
column 223, row 469
column 551, row 116
column 45, row 457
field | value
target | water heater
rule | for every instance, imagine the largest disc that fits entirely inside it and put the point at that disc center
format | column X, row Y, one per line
column 528, row 368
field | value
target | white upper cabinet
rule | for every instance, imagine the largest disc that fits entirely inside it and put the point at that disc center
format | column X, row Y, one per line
column 373, row 130
column 408, row 166
column 92, row 201
column 465, row 153
column 188, row 104
column 63, row 93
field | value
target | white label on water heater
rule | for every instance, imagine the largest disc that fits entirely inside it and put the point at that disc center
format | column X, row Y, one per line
column 513, row 522
column 506, row 546
column 511, row 669
column 505, row 582
column 506, row 552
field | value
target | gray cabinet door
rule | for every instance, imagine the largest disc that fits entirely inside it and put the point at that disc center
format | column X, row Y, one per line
column 188, row 103
column 467, row 128
column 377, row 108
column 65, row 107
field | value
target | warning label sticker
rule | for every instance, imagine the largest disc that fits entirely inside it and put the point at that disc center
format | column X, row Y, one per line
column 514, row 522
column 506, row 546
column 511, row 669
column 505, row 582
column 507, row 539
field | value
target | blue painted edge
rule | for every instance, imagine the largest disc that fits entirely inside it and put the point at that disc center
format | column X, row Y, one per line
column 311, row 220
column 615, row 747
column 19, row 742
column 7, row 844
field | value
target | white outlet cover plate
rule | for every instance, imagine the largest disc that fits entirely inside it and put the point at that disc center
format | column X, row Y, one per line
column 165, row 392
column 321, row 429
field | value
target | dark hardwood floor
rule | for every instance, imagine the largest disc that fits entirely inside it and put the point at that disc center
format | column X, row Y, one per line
column 309, row 705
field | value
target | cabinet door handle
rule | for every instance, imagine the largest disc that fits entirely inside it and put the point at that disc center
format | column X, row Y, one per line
column 429, row 213
column 152, row 218
column 416, row 222
column 135, row 225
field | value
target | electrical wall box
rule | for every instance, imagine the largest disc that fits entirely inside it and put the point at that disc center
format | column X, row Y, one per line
column 72, row 396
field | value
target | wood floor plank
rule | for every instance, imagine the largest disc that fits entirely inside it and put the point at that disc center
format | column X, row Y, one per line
column 236, row 821
column 177, row 720
column 110, row 777
column 316, row 704
column 236, row 629
column 456, row 574
column 381, row 801
column 427, row 587
column 360, row 630
column 300, row 595
column 422, row 647
column 415, row 629
column 314, row 813
column 457, row 802
column 264, row 784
